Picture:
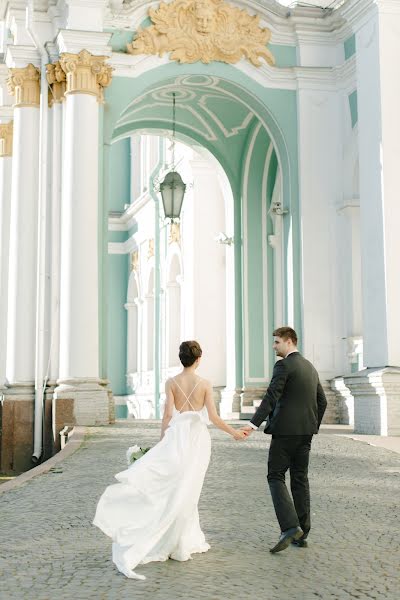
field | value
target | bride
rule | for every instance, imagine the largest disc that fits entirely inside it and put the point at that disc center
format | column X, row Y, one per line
column 151, row 514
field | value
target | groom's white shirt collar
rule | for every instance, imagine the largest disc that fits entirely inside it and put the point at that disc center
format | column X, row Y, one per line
column 291, row 352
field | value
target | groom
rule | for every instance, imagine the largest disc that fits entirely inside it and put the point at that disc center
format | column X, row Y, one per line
column 293, row 407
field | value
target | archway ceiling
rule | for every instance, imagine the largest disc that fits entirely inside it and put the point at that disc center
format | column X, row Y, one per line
column 208, row 110
column 204, row 105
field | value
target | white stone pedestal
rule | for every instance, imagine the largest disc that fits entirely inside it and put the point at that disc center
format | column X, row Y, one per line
column 376, row 395
column 90, row 401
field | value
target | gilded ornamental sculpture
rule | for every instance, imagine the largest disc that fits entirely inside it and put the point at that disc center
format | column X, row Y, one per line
column 204, row 30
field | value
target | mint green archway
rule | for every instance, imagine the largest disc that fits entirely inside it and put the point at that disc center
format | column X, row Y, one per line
column 241, row 123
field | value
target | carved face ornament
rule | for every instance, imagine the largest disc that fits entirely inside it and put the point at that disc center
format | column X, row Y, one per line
column 205, row 18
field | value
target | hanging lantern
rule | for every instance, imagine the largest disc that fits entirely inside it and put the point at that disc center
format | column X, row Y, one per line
column 172, row 192
column 172, row 188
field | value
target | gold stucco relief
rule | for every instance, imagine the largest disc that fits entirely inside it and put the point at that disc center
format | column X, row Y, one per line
column 86, row 73
column 135, row 261
column 6, row 139
column 175, row 233
column 24, row 84
column 57, row 80
column 204, row 30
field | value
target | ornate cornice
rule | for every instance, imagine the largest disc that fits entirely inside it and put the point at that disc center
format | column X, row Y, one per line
column 57, row 80
column 6, row 139
column 86, row 73
column 24, row 84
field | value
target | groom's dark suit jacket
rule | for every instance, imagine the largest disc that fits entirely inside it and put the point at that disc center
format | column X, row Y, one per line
column 294, row 402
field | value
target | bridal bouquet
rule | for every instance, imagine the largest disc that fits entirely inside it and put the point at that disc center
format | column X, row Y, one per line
column 134, row 453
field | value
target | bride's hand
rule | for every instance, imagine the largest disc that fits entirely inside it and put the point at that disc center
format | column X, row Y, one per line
column 239, row 435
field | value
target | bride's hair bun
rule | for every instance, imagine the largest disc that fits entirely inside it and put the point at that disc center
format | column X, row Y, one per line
column 189, row 352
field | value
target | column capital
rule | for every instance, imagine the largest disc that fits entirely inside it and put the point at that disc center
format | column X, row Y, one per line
column 6, row 138
column 24, row 84
column 86, row 73
column 57, row 80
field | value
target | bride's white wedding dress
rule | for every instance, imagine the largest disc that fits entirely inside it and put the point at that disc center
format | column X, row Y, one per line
column 151, row 514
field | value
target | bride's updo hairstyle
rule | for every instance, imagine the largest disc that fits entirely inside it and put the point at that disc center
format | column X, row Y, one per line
column 189, row 352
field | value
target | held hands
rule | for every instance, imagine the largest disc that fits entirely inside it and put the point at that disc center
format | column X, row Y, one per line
column 239, row 434
column 247, row 430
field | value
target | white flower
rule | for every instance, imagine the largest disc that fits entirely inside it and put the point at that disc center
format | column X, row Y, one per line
column 130, row 451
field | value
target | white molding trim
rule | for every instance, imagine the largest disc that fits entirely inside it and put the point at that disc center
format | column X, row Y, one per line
column 281, row 20
column 96, row 42
column 284, row 78
column 265, row 273
column 20, row 56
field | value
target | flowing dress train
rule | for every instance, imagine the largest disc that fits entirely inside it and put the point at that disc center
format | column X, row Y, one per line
column 151, row 514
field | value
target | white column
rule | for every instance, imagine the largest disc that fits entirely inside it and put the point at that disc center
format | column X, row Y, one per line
column 79, row 358
column 57, row 80
column 379, row 134
column 79, row 286
column 377, row 389
column 6, row 132
column 320, row 164
column 276, row 242
column 24, row 83
column 230, row 397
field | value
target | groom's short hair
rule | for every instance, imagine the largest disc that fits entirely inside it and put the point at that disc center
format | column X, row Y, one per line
column 286, row 333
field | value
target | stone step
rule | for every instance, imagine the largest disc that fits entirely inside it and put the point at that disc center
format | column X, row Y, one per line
column 256, row 403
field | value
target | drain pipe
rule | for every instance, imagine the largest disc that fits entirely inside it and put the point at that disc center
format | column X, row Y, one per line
column 40, row 379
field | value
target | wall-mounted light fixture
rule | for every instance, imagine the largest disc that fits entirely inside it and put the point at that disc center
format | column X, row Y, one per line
column 222, row 238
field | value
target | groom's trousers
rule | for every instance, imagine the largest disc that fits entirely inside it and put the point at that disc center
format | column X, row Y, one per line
column 290, row 452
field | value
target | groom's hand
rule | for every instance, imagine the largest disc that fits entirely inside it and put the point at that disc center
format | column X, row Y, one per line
column 247, row 430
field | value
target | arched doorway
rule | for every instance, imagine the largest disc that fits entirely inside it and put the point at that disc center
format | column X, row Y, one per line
column 260, row 166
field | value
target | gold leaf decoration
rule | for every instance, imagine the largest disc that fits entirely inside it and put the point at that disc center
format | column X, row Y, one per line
column 204, row 30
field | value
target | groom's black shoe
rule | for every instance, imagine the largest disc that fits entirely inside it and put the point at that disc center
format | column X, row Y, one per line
column 301, row 542
column 287, row 537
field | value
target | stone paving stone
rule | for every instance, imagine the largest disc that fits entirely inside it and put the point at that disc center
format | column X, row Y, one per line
column 50, row 550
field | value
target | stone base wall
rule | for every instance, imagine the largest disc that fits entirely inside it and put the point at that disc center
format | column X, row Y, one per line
column 17, row 422
column 16, row 440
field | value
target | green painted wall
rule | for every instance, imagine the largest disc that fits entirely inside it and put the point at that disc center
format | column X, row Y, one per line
column 253, row 239
column 119, row 180
column 117, row 236
column 350, row 47
column 120, row 38
column 121, row 411
column 285, row 56
column 118, row 272
column 353, row 108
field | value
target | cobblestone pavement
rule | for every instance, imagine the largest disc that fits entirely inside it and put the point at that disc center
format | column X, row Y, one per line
column 50, row 550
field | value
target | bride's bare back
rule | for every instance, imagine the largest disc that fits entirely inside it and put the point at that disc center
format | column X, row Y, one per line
column 189, row 392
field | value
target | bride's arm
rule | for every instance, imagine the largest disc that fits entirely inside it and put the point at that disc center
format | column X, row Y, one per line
column 168, row 408
column 216, row 420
